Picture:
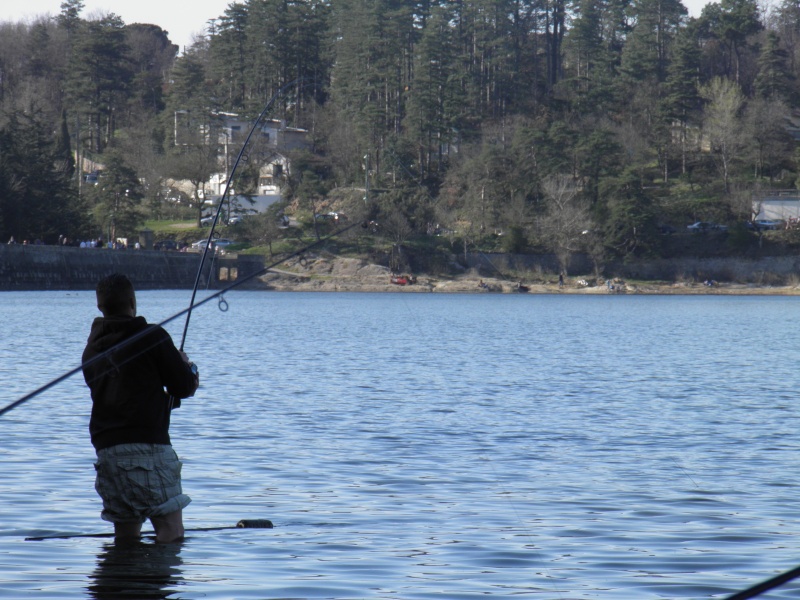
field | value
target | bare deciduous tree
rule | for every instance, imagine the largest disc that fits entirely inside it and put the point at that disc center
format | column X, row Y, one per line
column 723, row 125
column 566, row 219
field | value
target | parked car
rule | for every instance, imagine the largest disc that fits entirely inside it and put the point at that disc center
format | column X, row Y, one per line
column 768, row 224
column 704, row 226
column 209, row 220
column 218, row 243
column 166, row 245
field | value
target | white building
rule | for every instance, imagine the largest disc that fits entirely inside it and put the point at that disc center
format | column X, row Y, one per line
column 777, row 205
column 272, row 140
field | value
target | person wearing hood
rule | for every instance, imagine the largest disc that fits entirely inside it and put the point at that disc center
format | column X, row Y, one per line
column 136, row 376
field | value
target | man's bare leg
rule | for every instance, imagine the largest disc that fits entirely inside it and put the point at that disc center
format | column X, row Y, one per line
column 169, row 528
column 127, row 532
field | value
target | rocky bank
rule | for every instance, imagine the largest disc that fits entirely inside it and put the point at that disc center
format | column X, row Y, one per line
column 334, row 274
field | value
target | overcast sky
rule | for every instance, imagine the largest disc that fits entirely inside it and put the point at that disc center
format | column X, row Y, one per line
column 181, row 18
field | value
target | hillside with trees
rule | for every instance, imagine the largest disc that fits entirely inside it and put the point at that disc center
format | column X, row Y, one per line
column 545, row 126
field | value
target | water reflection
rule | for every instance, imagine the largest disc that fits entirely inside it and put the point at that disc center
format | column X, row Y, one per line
column 138, row 570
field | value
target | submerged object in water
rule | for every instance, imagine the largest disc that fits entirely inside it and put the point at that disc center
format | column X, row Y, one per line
column 242, row 524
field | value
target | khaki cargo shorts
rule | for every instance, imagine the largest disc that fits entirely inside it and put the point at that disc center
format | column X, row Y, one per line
column 139, row 481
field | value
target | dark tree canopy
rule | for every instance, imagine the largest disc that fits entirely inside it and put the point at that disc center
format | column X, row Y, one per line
column 463, row 114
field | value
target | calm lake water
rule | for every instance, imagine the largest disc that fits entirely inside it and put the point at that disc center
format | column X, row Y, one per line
column 427, row 446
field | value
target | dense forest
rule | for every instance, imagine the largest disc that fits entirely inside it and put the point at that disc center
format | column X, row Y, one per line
column 556, row 126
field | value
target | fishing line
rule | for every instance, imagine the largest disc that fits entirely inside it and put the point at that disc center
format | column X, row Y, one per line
column 192, row 304
column 141, row 334
column 241, row 157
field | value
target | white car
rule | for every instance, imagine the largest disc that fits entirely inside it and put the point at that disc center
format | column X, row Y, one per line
column 703, row 226
column 768, row 224
column 218, row 244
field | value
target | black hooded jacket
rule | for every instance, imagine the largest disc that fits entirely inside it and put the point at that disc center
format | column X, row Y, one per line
column 129, row 401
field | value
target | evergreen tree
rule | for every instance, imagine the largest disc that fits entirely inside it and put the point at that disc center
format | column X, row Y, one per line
column 288, row 41
column 646, row 53
column 63, row 150
column 593, row 50
column 774, row 80
column 731, row 23
column 433, row 100
column 37, row 197
column 70, row 17
column 230, row 56
column 681, row 101
column 115, row 200
column 99, row 75
column 598, row 155
column 150, row 54
column 629, row 219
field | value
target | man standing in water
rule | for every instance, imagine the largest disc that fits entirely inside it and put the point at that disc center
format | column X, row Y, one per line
column 136, row 368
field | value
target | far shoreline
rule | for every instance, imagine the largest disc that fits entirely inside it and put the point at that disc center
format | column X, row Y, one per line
column 354, row 275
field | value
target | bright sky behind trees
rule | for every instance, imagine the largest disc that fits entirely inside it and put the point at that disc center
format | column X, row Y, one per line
column 180, row 18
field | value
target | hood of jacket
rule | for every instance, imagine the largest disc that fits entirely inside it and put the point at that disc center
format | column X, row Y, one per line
column 107, row 332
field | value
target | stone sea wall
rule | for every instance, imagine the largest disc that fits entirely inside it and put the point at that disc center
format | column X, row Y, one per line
column 769, row 270
column 31, row 267
column 27, row 267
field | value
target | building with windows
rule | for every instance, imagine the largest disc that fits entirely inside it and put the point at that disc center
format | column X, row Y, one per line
column 269, row 145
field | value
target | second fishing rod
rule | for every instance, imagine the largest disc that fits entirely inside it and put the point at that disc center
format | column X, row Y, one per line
column 209, row 244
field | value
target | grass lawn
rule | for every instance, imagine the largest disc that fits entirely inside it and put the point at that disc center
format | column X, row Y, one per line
column 166, row 226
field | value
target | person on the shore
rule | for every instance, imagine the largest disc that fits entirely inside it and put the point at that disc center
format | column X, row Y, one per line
column 132, row 368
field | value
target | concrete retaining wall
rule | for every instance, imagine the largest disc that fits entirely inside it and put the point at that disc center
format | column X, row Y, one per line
column 28, row 267
column 771, row 270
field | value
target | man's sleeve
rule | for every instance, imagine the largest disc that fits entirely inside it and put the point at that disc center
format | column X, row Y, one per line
column 175, row 373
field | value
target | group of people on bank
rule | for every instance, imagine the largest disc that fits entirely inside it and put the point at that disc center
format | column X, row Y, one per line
column 88, row 243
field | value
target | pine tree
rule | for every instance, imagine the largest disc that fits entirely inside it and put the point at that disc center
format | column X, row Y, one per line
column 289, row 41
column 38, row 200
column 116, row 198
column 593, row 57
column 70, row 17
column 645, row 57
column 99, row 74
column 774, row 80
column 681, row 101
column 731, row 23
column 433, row 99
column 230, row 56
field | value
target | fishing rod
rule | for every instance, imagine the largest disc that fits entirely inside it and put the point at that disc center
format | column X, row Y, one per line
column 193, row 304
column 173, row 402
column 765, row 586
column 223, row 198
column 239, row 282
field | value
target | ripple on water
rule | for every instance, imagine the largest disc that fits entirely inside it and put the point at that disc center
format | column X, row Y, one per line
column 569, row 448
